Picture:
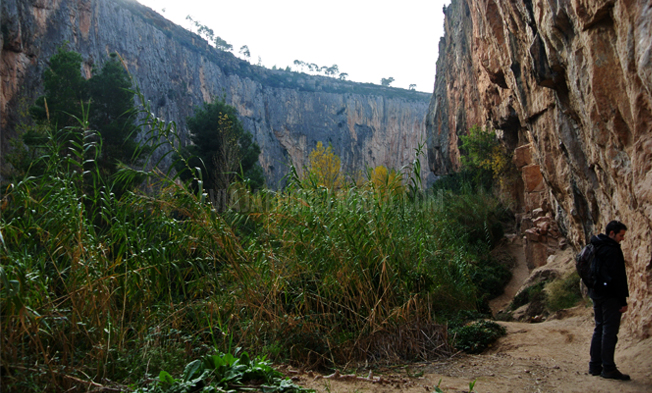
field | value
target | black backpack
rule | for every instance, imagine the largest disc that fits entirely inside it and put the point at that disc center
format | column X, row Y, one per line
column 588, row 265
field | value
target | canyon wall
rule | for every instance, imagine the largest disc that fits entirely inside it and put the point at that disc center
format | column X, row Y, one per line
column 567, row 84
column 287, row 112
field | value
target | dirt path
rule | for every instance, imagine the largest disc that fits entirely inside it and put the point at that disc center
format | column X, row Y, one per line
column 520, row 273
column 547, row 357
column 551, row 356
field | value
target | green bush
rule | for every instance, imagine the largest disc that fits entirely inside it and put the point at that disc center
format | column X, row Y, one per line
column 464, row 181
column 491, row 277
column 563, row 293
column 554, row 295
column 486, row 166
column 529, row 294
column 476, row 336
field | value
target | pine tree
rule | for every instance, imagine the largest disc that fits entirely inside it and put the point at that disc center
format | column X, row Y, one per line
column 106, row 96
column 221, row 148
column 66, row 91
column 112, row 113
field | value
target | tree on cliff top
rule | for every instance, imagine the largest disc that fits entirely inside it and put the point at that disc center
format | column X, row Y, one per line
column 221, row 148
column 209, row 35
column 244, row 51
column 387, row 81
column 328, row 71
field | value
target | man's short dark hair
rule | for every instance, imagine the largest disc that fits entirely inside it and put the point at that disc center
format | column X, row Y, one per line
column 615, row 227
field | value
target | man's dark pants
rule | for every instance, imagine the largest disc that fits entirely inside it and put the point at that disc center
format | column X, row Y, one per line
column 603, row 344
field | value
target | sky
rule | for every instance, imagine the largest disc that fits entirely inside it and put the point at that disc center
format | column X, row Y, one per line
column 368, row 40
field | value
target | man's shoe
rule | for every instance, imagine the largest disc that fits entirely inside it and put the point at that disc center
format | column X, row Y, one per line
column 615, row 374
column 595, row 372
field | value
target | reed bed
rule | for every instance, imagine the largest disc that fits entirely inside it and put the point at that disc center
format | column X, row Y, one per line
column 100, row 290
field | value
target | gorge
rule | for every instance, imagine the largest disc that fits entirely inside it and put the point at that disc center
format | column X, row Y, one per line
column 567, row 84
column 105, row 293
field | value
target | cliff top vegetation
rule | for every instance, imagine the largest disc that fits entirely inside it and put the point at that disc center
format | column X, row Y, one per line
column 279, row 78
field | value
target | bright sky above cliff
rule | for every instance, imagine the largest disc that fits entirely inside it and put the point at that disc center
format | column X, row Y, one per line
column 368, row 40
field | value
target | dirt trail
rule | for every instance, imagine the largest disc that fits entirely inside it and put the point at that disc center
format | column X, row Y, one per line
column 547, row 357
column 520, row 273
column 551, row 356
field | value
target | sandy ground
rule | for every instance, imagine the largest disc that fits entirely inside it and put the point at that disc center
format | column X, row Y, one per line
column 547, row 357
column 551, row 356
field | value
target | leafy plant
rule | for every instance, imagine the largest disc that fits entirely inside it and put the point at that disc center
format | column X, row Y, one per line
column 471, row 387
column 529, row 294
column 224, row 372
column 476, row 336
column 105, row 102
column 102, row 285
column 491, row 278
column 481, row 151
column 384, row 181
column 65, row 90
column 563, row 293
column 486, row 164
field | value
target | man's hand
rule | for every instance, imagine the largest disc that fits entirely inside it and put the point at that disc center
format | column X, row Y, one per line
column 623, row 309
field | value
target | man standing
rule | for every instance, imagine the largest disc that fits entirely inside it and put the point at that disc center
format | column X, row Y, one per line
column 609, row 300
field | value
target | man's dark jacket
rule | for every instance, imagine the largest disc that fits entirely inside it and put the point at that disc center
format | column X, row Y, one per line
column 612, row 277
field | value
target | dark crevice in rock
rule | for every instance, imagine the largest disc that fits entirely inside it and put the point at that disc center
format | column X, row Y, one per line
column 581, row 211
column 602, row 17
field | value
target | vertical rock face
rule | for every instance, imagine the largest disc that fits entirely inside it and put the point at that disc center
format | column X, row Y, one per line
column 569, row 84
column 288, row 113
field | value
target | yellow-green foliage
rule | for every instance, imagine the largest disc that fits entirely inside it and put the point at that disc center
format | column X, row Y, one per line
column 488, row 163
column 325, row 167
column 482, row 150
column 563, row 293
column 384, row 181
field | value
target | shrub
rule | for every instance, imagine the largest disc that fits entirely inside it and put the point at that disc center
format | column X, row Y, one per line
column 224, row 372
column 528, row 295
column 486, row 165
column 476, row 336
column 325, row 168
column 563, row 293
column 491, row 278
column 464, row 181
column 221, row 148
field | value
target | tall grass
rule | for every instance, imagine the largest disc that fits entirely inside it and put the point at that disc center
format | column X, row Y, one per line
column 334, row 273
column 99, row 289
column 94, row 285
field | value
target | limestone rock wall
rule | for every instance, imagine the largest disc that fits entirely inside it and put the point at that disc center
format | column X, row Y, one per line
column 568, row 84
column 288, row 113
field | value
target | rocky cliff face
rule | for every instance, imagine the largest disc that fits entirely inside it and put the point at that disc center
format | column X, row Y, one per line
column 568, row 84
column 288, row 113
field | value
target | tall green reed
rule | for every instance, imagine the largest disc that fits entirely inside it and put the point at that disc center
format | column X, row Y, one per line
column 88, row 277
column 104, row 282
column 333, row 273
